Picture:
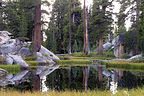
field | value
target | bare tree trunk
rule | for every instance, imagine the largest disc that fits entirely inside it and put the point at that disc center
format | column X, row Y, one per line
column 100, row 48
column 37, row 26
column 69, row 27
column 86, row 48
column 87, row 37
column 53, row 31
column 84, row 28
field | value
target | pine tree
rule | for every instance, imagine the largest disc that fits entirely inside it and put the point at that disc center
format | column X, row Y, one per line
column 100, row 22
column 141, row 28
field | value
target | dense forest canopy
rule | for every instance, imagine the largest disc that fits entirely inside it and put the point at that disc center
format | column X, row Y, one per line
column 17, row 16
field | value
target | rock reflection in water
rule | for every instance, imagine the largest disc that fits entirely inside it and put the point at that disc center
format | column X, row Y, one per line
column 72, row 78
column 26, row 79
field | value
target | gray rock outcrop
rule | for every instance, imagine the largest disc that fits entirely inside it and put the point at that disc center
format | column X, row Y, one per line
column 43, row 58
column 9, row 60
column 19, row 60
column 13, row 50
column 48, row 53
column 25, row 52
column 4, row 37
column 136, row 56
column 107, row 45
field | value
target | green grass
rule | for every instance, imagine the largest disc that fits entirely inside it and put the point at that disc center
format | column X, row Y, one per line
column 76, row 59
column 93, row 54
column 33, row 63
column 134, row 92
column 11, row 68
column 123, row 65
column 72, row 62
column 30, row 58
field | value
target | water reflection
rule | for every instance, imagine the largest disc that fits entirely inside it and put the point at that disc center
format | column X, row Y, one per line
column 72, row 78
column 85, row 76
column 92, row 77
column 31, row 80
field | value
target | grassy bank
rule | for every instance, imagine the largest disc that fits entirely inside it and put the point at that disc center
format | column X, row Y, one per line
column 123, row 65
column 81, row 58
column 74, row 62
column 93, row 54
column 137, row 92
column 13, row 69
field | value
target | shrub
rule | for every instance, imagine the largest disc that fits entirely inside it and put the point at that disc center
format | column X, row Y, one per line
column 126, row 56
column 79, row 54
column 138, row 60
column 93, row 54
column 108, row 54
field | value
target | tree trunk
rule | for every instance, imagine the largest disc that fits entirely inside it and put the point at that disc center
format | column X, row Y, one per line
column 100, row 48
column 86, row 48
column 53, row 31
column 100, row 76
column 69, row 27
column 87, row 37
column 69, row 77
column 37, row 26
column 135, row 49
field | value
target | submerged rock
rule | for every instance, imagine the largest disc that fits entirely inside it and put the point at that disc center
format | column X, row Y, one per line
column 3, row 72
column 19, row 76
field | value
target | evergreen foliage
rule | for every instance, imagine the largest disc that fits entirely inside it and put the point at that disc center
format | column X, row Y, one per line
column 141, row 28
column 17, row 17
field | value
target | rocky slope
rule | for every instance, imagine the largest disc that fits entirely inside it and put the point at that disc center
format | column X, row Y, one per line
column 14, row 51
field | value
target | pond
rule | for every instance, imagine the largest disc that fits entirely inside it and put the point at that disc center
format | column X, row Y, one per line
column 60, row 78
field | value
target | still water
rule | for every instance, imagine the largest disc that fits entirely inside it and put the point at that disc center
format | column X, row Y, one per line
column 77, row 78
